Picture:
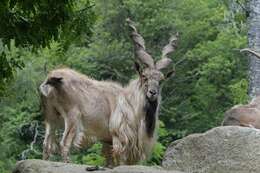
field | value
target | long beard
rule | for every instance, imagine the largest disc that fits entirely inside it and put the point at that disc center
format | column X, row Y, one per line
column 150, row 116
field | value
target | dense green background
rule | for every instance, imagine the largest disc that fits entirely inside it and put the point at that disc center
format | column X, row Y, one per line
column 91, row 37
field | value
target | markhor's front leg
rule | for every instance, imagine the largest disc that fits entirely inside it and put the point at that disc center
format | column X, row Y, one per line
column 107, row 153
column 123, row 128
column 50, row 143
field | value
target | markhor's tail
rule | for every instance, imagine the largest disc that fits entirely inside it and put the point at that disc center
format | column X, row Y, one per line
column 47, row 86
column 54, row 81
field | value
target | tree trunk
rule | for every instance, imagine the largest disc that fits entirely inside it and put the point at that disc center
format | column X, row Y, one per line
column 254, row 43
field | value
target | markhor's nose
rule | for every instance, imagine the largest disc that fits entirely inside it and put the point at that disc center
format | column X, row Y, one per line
column 152, row 92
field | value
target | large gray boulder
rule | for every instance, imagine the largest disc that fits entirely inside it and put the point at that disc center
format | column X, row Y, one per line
column 229, row 149
column 40, row 166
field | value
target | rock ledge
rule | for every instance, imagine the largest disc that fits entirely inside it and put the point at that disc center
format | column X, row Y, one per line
column 41, row 166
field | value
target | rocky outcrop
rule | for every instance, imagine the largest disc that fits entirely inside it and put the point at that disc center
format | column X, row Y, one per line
column 230, row 149
column 40, row 166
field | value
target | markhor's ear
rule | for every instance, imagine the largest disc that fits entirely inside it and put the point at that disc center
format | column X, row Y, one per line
column 170, row 74
column 54, row 81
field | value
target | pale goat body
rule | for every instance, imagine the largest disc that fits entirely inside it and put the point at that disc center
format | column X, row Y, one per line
column 124, row 119
column 94, row 110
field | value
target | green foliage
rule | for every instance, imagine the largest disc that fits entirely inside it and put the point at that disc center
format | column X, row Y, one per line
column 93, row 156
column 20, row 107
column 78, row 29
column 211, row 74
column 214, row 70
column 238, row 91
column 37, row 22
column 9, row 61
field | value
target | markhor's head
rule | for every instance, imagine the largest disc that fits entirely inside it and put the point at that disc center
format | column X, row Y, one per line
column 151, row 73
